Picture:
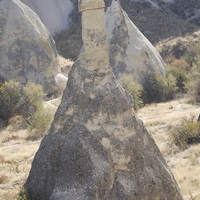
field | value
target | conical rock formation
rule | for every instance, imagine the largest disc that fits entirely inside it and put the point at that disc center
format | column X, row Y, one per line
column 97, row 148
column 130, row 51
column 27, row 51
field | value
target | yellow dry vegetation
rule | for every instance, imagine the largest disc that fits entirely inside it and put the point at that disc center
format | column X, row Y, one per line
column 185, row 164
column 17, row 153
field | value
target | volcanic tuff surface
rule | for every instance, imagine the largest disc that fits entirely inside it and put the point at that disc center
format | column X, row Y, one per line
column 130, row 51
column 97, row 148
column 27, row 50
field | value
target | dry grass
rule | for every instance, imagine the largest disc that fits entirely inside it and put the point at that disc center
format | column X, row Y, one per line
column 3, row 179
column 10, row 137
column 16, row 155
column 15, row 161
column 65, row 64
column 184, row 164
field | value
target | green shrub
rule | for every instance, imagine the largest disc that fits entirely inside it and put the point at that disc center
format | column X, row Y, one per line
column 10, row 94
column 194, row 91
column 32, row 99
column 194, row 84
column 26, row 101
column 23, row 194
column 17, row 100
column 40, row 122
column 133, row 88
column 192, row 55
column 187, row 133
column 181, row 78
column 160, row 88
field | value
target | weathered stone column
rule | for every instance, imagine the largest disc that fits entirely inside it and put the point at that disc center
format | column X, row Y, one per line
column 97, row 148
column 94, row 34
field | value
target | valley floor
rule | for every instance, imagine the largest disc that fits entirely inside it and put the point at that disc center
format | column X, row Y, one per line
column 17, row 153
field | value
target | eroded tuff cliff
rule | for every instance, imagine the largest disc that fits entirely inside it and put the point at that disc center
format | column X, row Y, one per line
column 130, row 51
column 97, row 148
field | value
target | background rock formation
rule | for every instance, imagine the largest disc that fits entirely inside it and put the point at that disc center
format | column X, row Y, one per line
column 97, row 148
column 53, row 13
column 156, row 19
column 27, row 50
column 130, row 51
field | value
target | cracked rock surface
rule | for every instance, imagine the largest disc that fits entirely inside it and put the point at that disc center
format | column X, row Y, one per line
column 97, row 148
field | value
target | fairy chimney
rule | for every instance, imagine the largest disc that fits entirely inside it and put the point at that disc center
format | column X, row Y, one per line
column 97, row 148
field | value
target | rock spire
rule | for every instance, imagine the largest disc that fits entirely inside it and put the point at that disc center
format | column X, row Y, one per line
column 130, row 51
column 97, row 148
column 94, row 34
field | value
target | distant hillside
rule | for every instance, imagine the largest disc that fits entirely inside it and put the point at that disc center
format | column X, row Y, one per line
column 158, row 20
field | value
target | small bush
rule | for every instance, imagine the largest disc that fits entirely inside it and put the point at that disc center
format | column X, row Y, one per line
column 23, row 194
column 187, row 133
column 192, row 55
column 32, row 99
column 40, row 123
column 10, row 94
column 181, row 78
column 160, row 88
column 194, row 92
column 133, row 88
column 194, row 84
column 27, row 102
column 181, row 64
column 18, row 100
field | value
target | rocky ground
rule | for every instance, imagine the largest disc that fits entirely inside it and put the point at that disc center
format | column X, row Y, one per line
column 17, row 153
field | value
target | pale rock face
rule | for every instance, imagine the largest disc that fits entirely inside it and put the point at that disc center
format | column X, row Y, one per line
column 53, row 13
column 61, row 81
column 93, row 34
column 130, row 51
column 27, row 50
column 97, row 148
